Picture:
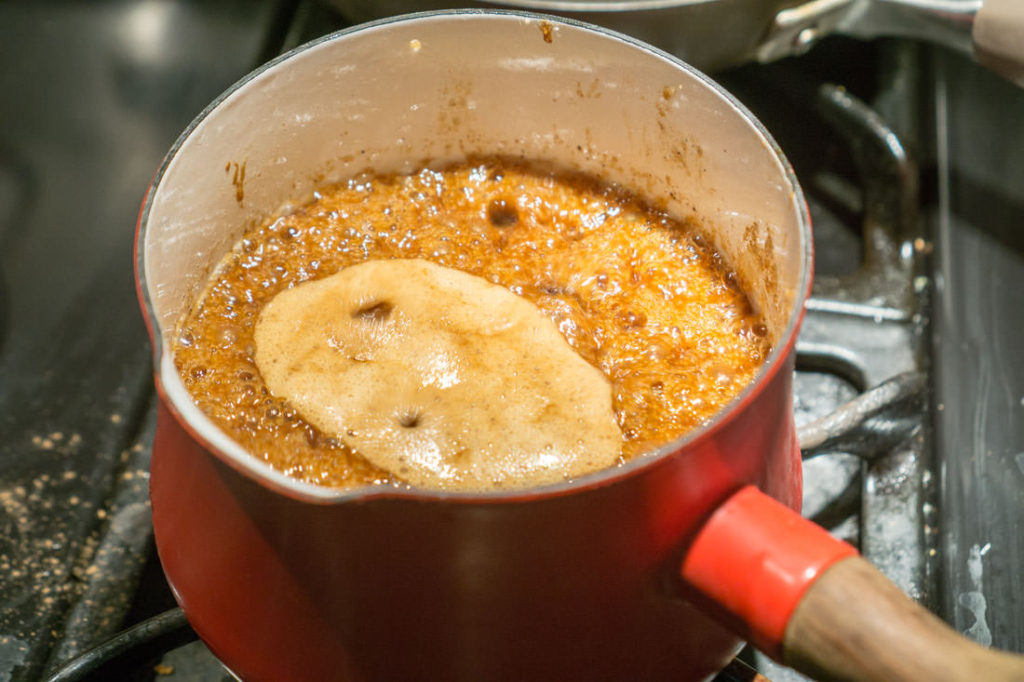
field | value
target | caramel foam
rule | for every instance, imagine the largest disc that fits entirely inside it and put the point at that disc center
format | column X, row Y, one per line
column 440, row 377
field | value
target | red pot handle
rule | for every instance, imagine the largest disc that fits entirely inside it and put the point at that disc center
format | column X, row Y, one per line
column 809, row 601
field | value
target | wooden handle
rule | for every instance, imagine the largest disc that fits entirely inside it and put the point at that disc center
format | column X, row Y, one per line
column 853, row 624
column 998, row 37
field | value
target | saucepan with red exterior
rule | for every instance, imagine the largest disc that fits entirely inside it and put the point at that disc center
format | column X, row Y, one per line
column 655, row 569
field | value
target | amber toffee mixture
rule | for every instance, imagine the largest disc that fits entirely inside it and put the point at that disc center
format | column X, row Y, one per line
column 641, row 297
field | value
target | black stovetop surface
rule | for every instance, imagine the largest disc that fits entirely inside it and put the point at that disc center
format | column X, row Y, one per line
column 93, row 96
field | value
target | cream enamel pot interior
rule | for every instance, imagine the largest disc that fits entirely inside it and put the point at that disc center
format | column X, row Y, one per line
column 581, row 580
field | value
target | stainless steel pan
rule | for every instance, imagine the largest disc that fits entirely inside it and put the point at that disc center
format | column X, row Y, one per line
column 713, row 34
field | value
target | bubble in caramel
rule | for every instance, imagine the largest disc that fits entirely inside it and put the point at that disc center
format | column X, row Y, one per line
column 641, row 297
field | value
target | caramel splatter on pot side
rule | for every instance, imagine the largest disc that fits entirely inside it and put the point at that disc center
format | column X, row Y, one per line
column 546, row 31
column 237, row 178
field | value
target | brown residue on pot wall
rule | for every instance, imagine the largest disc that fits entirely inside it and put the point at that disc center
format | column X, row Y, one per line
column 662, row 105
column 761, row 248
column 681, row 148
column 237, row 178
column 684, row 152
column 452, row 117
column 546, row 31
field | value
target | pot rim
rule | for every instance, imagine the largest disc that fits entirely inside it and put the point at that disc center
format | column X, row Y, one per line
column 175, row 397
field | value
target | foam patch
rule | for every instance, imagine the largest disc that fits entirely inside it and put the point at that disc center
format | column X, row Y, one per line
column 444, row 379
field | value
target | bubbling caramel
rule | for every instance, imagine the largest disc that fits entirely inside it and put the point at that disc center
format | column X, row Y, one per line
column 637, row 295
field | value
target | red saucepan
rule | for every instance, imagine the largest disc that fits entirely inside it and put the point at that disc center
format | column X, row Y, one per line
column 653, row 570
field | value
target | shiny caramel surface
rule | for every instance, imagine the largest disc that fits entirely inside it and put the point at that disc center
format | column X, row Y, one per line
column 641, row 297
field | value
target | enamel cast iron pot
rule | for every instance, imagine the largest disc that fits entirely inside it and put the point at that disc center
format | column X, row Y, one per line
column 653, row 570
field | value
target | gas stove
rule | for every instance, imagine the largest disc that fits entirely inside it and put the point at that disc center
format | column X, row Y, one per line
column 911, row 157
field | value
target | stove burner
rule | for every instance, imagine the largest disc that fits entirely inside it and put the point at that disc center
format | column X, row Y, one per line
column 137, row 647
column 134, row 648
column 872, row 424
